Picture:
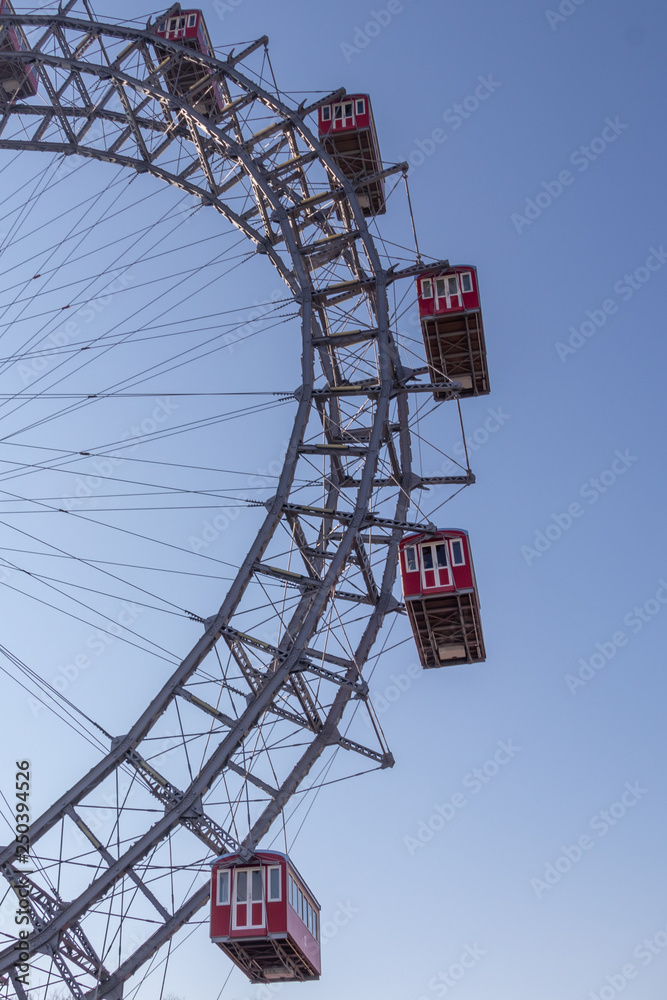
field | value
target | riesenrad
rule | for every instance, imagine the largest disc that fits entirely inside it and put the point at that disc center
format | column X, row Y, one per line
column 261, row 681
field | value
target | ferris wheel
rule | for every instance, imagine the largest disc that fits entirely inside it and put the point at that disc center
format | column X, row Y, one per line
column 215, row 758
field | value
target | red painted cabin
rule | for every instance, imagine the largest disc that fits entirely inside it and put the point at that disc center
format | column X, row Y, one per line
column 184, row 77
column 347, row 132
column 265, row 918
column 451, row 321
column 17, row 79
column 440, row 594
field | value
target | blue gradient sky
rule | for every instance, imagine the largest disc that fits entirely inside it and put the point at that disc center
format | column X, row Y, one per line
column 406, row 914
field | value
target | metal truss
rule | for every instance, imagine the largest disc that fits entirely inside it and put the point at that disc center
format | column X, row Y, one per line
column 255, row 715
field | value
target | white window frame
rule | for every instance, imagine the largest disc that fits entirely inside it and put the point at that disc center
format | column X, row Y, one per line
column 269, row 897
column 223, row 877
column 411, row 549
column 326, row 113
column 341, row 119
column 302, row 906
column 248, row 902
column 173, row 23
column 452, row 543
column 192, row 20
column 436, row 570
column 182, row 21
column 427, row 288
column 361, row 106
column 468, row 275
column 448, row 296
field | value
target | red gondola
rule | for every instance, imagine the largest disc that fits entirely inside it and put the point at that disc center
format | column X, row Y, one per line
column 184, row 77
column 451, row 320
column 265, row 918
column 440, row 593
column 348, row 134
column 17, row 78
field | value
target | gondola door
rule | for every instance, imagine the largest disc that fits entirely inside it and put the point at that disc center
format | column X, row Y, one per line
column 343, row 117
column 435, row 565
column 447, row 292
column 249, row 910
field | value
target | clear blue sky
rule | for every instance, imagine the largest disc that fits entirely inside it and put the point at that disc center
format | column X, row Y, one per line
column 538, row 147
